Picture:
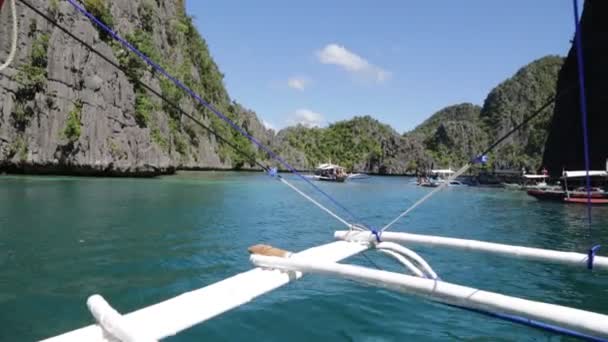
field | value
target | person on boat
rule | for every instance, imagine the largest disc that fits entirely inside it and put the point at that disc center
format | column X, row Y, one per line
column 544, row 171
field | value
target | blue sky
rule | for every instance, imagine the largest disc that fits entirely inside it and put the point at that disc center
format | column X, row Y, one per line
column 318, row 62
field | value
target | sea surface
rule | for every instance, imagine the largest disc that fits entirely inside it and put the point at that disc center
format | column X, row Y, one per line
column 140, row 241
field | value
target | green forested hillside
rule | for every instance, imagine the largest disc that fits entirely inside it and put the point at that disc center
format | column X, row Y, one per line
column 353, row 143
column 514, row 99
column 450, row 137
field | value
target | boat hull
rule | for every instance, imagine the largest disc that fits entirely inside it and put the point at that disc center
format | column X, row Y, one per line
column 574, row 197
column 332, row 179
column 547, row 195
column 584, row 200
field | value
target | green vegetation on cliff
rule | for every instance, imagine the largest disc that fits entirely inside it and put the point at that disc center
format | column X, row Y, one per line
column 362, row 144
column 187, row 57
column 32, row 77
column 346, row 142
column 72, row 124
column 450, row 137
column 510, row 102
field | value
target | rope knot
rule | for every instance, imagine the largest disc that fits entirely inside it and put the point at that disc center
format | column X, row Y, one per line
column 273, row 171
column 591, row 255
column 377, row 234
column 480, row 159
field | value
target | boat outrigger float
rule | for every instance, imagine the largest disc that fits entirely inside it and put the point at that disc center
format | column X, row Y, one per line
column 275, row 268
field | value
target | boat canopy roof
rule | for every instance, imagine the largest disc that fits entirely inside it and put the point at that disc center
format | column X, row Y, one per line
column 328, row 166
column 578, row 174
column 536, row 176
column 444, row 171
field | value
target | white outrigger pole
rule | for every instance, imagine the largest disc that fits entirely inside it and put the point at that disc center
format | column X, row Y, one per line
column 277, row 268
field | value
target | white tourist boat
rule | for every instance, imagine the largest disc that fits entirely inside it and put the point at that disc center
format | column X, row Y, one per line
column 439, row 177
column 530, row 182
column 329, row 172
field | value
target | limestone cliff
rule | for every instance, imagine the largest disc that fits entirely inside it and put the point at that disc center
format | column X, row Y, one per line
column 65, row 110
column 564, row 148
column 453, row 135
column 361, row 144
column 510, row 102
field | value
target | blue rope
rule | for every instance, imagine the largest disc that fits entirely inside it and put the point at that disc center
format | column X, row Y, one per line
column 583, row 103
column 206, row 104
column 533, row 323
column 591, row 255
column 377, row 234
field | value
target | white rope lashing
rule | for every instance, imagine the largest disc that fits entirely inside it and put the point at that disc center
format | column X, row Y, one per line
column 13, row 51
column 408, row 264
column 334, row 215
column 406, row 252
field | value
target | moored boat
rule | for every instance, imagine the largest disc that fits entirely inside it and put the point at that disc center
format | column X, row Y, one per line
column 596, row 194
column 439, row 177
column 329, row 172
column 547, row 194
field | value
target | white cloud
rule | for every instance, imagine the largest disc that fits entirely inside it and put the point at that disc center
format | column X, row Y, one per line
column 298, row 83
column 338, row 55
column 306, row 118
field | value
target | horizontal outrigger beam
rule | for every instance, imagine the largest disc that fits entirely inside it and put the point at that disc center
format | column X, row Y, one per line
column 179, row 313
column 169, row 317
column 582, row 323
column 539, row 254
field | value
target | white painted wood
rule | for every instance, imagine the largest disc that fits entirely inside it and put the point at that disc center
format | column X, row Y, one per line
column 586, row 322
column 579, row 174
column 113, row 323
column 568, row 258
column 186, row 310
column 403, row 261
column 410, row 254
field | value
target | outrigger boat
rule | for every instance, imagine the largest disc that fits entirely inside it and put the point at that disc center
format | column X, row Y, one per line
column 593, row 195
column 531, row 182
column 439, row 177
column 597, row 195
column 275, row 267
column 335, row 173
column 330, row 173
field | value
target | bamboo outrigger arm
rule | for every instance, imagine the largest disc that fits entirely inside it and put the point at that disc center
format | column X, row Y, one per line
column 539, row 254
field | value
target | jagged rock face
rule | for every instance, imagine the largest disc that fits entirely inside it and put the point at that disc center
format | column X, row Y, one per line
column 452, row 136
column 401, row 155
column 65, row 110
column 564, row 149
column 513, row 100
column 461, row 140
column 362, row 144
column 460, row 112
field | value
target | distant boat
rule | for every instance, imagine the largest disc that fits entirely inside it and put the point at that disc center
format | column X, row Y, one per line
column 531, row 182
column 439, row 177
column 329, row 172
column 597, row 194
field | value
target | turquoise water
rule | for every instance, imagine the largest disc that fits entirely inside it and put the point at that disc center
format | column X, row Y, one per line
column 140, row 241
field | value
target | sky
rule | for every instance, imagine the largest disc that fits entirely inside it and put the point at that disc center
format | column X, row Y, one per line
column 316, row 62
